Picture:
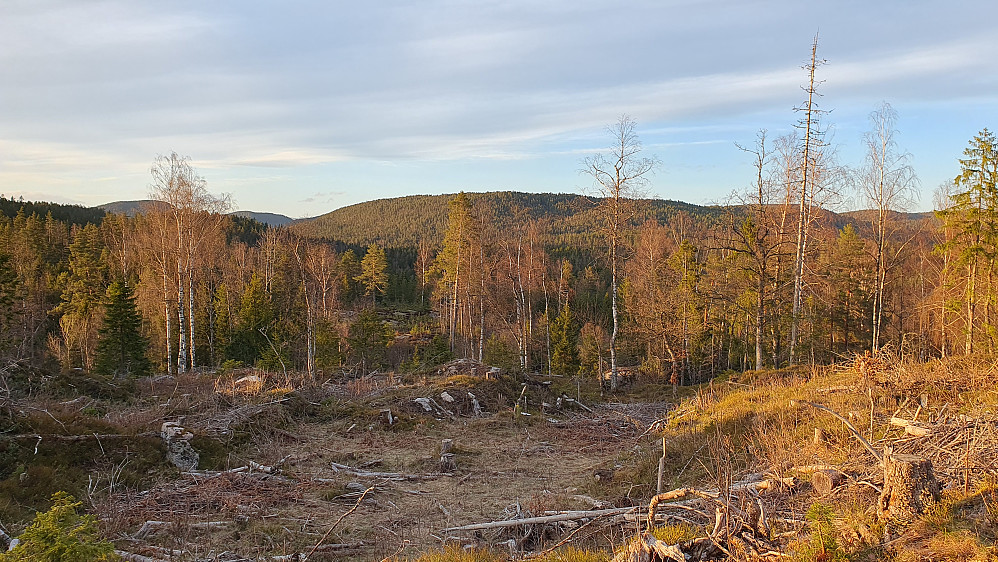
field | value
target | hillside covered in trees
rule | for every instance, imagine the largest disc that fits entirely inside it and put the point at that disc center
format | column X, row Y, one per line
column 404, row 221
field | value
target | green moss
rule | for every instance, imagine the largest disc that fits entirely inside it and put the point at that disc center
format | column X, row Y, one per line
column 573, row 554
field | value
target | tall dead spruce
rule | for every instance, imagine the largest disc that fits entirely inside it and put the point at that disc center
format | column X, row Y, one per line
column 811, row 146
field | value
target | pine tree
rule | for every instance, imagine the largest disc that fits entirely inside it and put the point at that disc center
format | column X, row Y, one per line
column 61, row 533
column 373, row 272
column 255, row 313
column 368, row 341
column 121, row 347
column 349, row 269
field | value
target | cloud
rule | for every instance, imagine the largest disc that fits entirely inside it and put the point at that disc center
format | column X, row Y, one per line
column 325, row 197
column 93, row 91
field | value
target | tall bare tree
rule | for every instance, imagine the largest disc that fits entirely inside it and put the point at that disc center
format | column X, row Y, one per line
column 888, row 183
column 619, row 176
column 811, row 145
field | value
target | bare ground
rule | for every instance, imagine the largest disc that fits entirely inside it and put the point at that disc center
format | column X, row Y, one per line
column 560, row 459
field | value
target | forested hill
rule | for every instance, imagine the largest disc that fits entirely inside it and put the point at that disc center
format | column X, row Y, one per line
column 269, row 219
column 72, row 214
column 403, row 221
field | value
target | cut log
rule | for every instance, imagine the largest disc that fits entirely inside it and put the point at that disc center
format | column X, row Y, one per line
column 911, row 427
column 910, row 486
column 566, row 516
column 824, row 481
column 386, row 418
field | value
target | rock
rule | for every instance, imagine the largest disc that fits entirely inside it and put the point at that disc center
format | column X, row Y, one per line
column 425, row 403
column 446, row 397
column 182, row 455
column 173, row 430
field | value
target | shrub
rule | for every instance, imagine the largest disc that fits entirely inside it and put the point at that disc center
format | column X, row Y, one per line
column 824, row 545
column 61, row 534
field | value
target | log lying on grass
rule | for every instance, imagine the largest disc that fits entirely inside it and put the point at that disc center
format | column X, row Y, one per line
column 826, row 480
column 564, row 516
column 911, row 427
column 647, row 548
column 394, row 476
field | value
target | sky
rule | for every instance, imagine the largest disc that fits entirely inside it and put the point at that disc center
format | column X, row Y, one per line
column 302, row 107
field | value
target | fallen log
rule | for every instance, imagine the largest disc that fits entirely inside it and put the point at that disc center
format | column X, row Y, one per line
column 911, row 427
column 152, row 527
column 395, row 476
column 324, row 548
column 677, row 494
column 646, row 548
column 564, row 516
column 132, row 557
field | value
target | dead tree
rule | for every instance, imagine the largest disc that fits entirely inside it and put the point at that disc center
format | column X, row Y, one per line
column 811, row 144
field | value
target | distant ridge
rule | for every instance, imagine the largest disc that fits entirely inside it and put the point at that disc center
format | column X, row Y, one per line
column 269, row 219
column 131, row 208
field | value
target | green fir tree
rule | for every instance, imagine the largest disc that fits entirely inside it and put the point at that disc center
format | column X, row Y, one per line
column 121, row 347
column 564, row 344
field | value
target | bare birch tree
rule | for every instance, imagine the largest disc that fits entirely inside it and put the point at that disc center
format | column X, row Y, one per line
column 619, row 175
column 888, row 182
column 196, row 215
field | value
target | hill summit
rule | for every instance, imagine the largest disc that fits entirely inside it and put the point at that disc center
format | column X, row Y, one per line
column 403, row 221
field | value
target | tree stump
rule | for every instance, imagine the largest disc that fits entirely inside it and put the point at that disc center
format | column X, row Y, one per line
column 447, row 462
column 386, row 417
column 824, row 481
column 178, row 447
column 820, row 437
column 910, row 486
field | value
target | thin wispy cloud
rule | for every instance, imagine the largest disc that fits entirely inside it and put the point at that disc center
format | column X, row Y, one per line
column 314, row 94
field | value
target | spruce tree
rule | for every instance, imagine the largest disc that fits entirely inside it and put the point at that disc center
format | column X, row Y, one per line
column 121, row 347
column 564, row 344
